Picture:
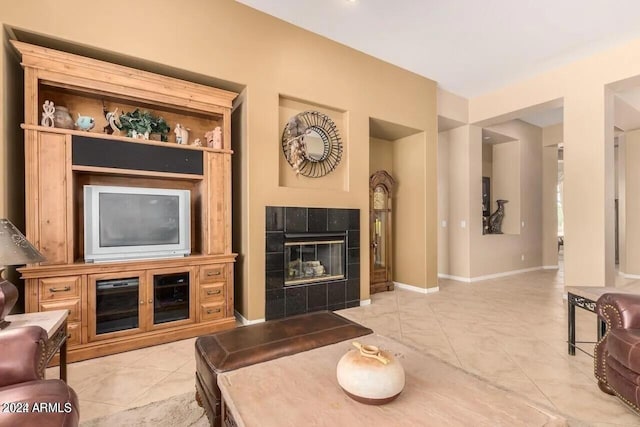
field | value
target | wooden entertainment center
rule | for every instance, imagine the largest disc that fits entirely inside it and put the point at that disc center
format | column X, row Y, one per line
column 60, row 162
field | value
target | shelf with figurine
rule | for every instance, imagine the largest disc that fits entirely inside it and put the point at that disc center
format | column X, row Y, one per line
column 71, row 111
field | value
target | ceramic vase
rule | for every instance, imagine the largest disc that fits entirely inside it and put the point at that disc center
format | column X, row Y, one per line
column 62, row 119
column 369, row 375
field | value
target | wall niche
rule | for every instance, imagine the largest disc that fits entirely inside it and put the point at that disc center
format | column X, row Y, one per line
column 337, row 179
column 501, row 164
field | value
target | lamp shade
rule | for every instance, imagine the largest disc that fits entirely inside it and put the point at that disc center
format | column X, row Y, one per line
column 15, row 249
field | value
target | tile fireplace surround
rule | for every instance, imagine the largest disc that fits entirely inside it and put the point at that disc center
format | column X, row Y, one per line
column 293, row 224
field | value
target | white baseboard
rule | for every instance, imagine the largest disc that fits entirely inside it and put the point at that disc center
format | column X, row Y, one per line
column 629, row 276
column 550, row 267
column 365, row 302
column 417, row 289
column 506, row 273
column 491, row 276
column 456, row 278
column 246, row 322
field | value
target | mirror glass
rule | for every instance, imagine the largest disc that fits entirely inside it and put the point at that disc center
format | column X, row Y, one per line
column 315, row 145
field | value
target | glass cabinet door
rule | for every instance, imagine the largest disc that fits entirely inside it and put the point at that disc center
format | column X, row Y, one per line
column 171, row 297
column 119, row 301
column 117, row 306
column 379, row 239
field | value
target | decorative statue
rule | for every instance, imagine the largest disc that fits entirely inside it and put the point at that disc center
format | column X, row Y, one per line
column 495, row 220
column 48, row 110
column 182, row 134
column 113, row 124
column 214, row 138
column 85, row 123
column 197, row 142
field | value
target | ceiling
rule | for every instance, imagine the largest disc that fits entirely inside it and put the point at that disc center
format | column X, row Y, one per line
column 469, row 47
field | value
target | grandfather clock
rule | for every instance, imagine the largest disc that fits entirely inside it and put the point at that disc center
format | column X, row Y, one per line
column 380, row 190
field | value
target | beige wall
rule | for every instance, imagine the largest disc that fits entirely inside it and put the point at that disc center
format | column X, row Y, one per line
column 584, row 87
column 551, row 137
column 499, row 253
column 229, row 41
column 622, row 203
column 409, row 198
column 506, row 183
column 487, row 162
column 460, row 189
column 452, row 106
column 631, row 206
column 380, row 155
column 443, row 203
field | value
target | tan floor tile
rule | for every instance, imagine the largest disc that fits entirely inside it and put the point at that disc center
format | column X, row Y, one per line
column 511, row 331
column 166, row 357
column 90, row 410
column 174, row 384
column 123, row 386
column 587, row 402
column 80, row 375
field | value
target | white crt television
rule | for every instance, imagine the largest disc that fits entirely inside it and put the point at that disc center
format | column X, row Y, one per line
column 127, row 223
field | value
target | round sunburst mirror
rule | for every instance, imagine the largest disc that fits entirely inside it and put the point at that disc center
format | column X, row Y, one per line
column 311, row 144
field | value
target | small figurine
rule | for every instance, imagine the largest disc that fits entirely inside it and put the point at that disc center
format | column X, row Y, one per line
column 197, row 142
column 113, row 124
column 85, row 123
column 136, row 135
column 48, row 110
column 182, row 134
column 214, row 138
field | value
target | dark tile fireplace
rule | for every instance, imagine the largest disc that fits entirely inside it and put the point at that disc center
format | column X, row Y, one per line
column 312, row 260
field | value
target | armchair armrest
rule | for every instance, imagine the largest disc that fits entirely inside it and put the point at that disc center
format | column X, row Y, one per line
column 619, row 310
column 22, row 355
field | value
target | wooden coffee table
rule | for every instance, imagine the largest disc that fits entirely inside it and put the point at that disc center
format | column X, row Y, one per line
column 303, row 390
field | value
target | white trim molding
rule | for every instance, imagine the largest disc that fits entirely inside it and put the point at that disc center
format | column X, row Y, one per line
column 244, row 321
column 550, row 267
column 456, row 278
column 506, row 273
column 629, row 276
column 365, row 302
column 417, row 289
column 490, row 276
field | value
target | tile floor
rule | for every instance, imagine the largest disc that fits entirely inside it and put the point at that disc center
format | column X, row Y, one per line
column 511, row 331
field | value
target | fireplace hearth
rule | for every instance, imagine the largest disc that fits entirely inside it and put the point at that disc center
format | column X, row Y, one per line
column 312, row 260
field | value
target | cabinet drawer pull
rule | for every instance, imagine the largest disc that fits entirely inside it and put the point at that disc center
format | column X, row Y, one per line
column 65, row 289
column 213, row 273
column 211, row 311
column 216, row 292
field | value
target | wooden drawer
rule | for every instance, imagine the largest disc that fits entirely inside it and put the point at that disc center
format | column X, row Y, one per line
column 213, row 273
column 211, row 311
column 59, row 288
column 213, row 292
column 73, row 305
column 73, row 333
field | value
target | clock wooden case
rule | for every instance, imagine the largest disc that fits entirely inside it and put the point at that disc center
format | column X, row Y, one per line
column 380, row 192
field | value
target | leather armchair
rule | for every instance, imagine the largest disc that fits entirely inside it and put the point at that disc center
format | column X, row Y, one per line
column 26, row 398
column 617, row 354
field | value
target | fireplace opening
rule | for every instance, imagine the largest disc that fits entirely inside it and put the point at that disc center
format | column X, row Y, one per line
column 313, row 257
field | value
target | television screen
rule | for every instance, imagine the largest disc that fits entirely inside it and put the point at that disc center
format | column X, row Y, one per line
column 138, row 219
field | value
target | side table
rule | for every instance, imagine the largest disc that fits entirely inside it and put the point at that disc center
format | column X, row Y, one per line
column 55, row 323
column 574, row 299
